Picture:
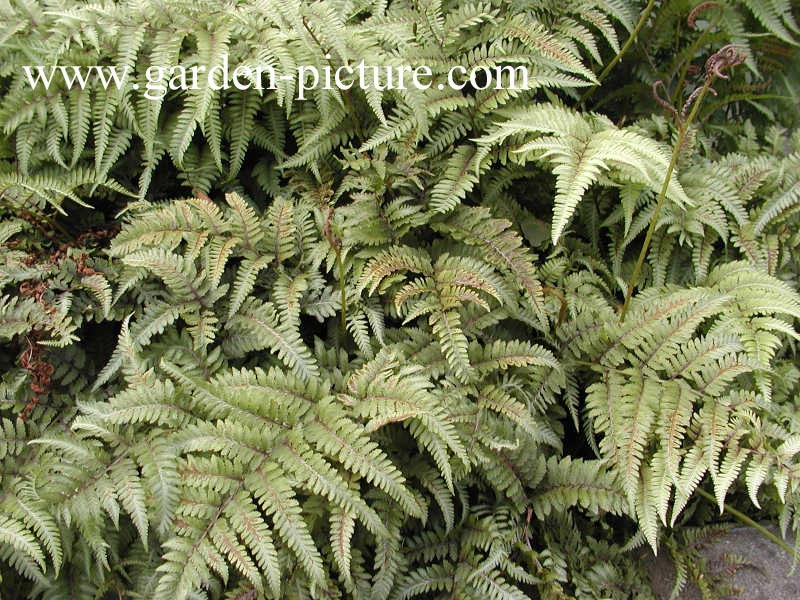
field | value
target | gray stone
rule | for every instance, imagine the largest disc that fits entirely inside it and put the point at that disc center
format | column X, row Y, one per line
column 764, row 573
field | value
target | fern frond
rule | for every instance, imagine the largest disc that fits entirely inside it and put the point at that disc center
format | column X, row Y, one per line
column 581, row 148
column 256, row 326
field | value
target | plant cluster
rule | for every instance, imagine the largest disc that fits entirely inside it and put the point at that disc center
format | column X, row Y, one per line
column 395, row 344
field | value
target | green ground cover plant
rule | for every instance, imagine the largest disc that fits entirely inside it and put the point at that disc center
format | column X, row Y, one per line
column 393, row 344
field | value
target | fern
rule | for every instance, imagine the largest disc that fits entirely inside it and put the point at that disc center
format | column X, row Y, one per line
column 582, row 149
column 367, row 343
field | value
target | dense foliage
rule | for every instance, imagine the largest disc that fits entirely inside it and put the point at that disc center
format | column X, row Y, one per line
column 395, row 344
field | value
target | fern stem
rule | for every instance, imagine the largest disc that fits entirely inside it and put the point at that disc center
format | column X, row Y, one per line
column 704, row 37
column 684, row 128
column 688, row 63
column 343, row 292
column 745, row 520
column 625, row 47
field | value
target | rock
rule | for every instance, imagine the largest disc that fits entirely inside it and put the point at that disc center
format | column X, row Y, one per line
column 762, row 571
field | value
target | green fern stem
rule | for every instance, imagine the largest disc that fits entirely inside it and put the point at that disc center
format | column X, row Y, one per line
column 661, row 196
column 685, row 68
column 625, row 47
column 745, row 520
column 701, row 39
column 342, row 291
